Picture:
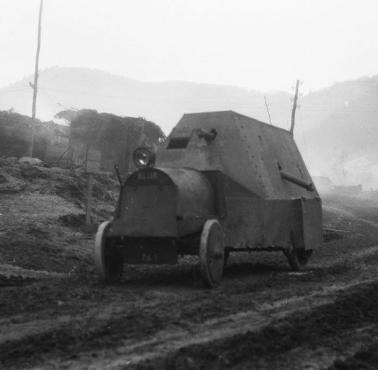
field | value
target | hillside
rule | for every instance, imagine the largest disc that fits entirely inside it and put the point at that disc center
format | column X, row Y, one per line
column 336, row 129
column 340, row 134
column 161, row 102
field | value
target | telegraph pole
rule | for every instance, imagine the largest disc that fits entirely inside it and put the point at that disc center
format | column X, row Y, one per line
column 267, row 109
column 35, row 84
column 294, row 108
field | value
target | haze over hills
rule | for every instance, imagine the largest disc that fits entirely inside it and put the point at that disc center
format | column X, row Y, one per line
column 340, row 126
column 337, row 127
column 161, row 102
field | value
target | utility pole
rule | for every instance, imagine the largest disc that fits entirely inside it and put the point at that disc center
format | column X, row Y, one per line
column 267, row 109
column 35, row 84
column 294, row 108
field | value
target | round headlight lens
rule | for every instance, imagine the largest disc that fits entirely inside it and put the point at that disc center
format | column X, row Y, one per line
column 143, row 157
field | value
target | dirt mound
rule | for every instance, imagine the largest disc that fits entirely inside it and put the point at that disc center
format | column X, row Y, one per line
column 41, row 211
column 66, row 183
column 51, row 139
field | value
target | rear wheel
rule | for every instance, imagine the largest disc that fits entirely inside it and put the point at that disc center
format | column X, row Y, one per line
column 297, row 257
column 212, row 253
column 108, row 256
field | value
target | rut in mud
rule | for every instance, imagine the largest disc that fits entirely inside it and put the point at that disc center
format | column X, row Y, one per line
column 272, row 346
column 55, row 314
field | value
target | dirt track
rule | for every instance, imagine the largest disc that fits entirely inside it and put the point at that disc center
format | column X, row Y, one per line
column 54, row 313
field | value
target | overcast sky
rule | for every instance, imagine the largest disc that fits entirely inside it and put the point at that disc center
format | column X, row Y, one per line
column 262, row 44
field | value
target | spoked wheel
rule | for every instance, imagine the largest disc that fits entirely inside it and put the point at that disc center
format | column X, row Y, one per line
column 108, row 257
column 297, row 257
column 212, row 253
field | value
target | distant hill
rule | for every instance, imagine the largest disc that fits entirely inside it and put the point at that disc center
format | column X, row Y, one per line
column 340, row 131
column 337, row 127
column 160, row 102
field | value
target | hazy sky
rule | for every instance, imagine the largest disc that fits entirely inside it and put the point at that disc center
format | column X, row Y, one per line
column 255, row 44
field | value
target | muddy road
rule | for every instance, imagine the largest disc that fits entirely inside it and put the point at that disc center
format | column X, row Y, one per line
column 54, row 314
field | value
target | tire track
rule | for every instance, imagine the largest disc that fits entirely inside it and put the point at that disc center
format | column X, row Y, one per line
column 167, row 343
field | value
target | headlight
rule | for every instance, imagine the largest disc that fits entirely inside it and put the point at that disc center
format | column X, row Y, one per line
column 143, row 157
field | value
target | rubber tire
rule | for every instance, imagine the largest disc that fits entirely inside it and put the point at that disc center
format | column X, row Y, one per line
column 212, row 253
column 108, row 257
column 297, row 258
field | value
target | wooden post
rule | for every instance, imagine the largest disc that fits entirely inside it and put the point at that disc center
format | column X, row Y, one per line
column 35, row 85
column 92, row 166
column 88, row 206
column 267, row 109
column 294, row 108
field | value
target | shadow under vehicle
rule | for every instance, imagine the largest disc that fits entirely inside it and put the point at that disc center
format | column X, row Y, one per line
column 222, row 182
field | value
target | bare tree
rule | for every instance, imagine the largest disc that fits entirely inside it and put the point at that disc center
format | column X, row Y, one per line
column 35, row 84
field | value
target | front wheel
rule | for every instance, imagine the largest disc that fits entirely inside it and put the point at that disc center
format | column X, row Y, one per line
column 107, row 255
column 212, row 253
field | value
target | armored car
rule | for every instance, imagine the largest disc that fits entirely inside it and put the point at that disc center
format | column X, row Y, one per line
column 221, row 183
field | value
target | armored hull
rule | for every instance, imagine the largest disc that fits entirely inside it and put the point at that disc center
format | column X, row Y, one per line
column 222, row 182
